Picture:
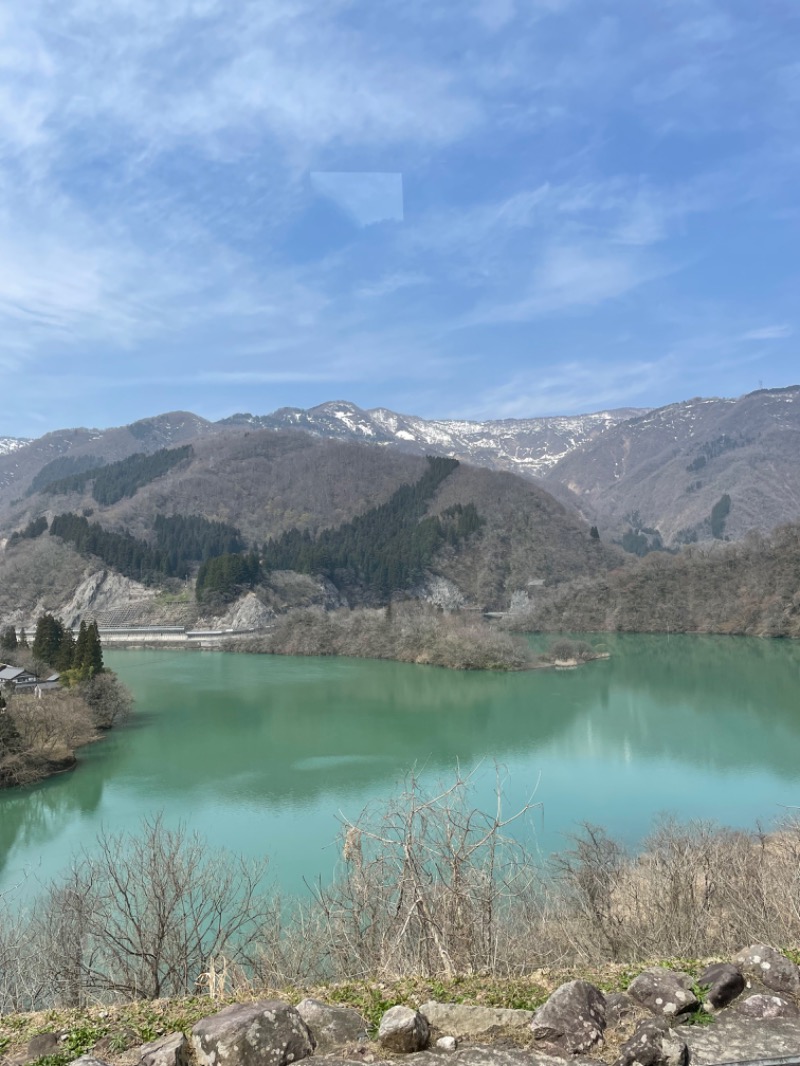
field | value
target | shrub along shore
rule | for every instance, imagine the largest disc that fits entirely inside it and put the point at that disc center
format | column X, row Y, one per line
column 40, row 734
column 412, row 633
column 429, row 889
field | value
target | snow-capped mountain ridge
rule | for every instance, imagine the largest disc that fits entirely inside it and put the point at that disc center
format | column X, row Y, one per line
column 530, row 446
column 10, row 444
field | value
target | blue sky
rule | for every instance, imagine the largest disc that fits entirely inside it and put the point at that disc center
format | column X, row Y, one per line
column 480, row 208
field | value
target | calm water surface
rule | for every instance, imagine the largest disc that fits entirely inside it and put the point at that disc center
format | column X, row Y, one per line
column 259, row 754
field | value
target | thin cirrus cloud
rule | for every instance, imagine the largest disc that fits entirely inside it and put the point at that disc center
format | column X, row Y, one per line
column 365, row 197
column 769, row 333
column 441, row 201
column 576, row 386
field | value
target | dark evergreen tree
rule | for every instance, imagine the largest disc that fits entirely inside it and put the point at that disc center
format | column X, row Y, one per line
column 8, row 641
column 79, row 658
column 594, row 533
column 33, row 530
column 388, row 547
column 47, row 642
column 224, row 577
column 66, row 651
column 719, row 516
column 94, row 650
column 181, row 540
column 115, row 481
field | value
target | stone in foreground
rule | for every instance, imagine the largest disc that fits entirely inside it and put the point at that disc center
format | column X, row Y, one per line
column 41, row 1045
column 732, row 1039
column 332, row 1026
column 620, row 1007
column 766, row 1006
column 403, row 1030
column 268, row 1033
column 653, row 1043
column 480, row 1055
column 724, row 982
column 768, row 967
column 573, row 1019
column 172, row 1050
column 460, row 1020
column 447, row 1043
column 666, row 992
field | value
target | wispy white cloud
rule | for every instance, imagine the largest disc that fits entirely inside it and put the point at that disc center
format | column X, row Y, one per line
column 569, row 277
column 391, row 283
column 366, row 197
column 494, row 14
column 576, row 386
column 769, row 333
column 561, row 160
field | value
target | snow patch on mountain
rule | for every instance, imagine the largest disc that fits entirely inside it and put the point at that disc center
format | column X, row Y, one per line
column 10, row 444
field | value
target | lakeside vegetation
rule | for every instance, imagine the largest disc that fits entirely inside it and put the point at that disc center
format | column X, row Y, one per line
column 406, row 632
column 411, row 632
column 39, row 734
column 159, row 913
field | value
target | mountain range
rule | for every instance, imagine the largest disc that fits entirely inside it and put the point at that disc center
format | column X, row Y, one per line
column 661, row 470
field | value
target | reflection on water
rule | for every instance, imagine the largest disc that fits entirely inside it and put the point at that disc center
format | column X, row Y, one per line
column 259, row 754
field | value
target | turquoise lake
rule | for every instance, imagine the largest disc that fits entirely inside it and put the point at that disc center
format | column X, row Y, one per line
column 262, row 754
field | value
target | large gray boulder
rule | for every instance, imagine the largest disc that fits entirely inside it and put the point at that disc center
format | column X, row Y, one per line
column 763, row 964
column 171, row 1050
column 621, row 1008
column 724, row 982
column 666, row 992
column 573, row 1019
column 460, row 1020
column 267, row 1033
column 653, row 1043
column 403, row 1030
column 43, row 1044
column 479, row 1055
column 332, row 1026
column 766, row 1006
column 733, row 1039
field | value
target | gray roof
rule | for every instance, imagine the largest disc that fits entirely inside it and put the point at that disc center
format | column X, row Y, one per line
column 10, row 672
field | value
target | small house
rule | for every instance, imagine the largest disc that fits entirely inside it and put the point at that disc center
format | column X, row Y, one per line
column 13, row 675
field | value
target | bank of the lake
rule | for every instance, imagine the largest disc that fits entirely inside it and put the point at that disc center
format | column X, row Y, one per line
column 260, row 753
column 413, row 633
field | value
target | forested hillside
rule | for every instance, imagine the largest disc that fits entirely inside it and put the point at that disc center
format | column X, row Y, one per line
column 374, row 522
column 116, row 481
column 752, row 587
column 70, row 451
column 386, row 549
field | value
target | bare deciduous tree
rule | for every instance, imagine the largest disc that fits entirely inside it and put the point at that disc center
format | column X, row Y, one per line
column 145, row 915
column 427, row 885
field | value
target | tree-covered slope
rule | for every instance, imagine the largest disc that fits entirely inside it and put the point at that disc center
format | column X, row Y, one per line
column 670, row 467
column 752, row 587
column 374, row 521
